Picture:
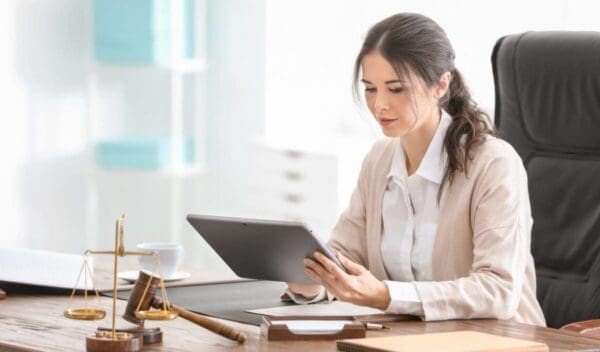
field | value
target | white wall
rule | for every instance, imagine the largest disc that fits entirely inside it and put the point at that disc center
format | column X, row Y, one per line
column 235, row 92
column 42, row 133
column 312, row 44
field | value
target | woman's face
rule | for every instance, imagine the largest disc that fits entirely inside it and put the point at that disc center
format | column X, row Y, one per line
column 400, row 105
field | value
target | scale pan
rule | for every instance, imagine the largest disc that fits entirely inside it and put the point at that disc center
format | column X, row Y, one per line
column 85, row 314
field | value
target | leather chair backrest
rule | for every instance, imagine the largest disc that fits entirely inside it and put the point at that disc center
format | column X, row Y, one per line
column 548, row 107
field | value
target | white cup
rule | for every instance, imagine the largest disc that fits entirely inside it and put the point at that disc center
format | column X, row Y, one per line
column 171, row 255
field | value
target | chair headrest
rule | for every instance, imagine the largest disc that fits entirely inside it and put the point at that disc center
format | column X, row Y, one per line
column 549, row 84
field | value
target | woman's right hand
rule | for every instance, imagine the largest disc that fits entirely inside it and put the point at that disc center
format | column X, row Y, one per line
column 308, row 291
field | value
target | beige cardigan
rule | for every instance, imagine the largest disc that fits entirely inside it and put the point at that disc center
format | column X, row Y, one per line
column 481, row 264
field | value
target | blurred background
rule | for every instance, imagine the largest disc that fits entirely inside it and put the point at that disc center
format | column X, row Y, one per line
column 161, row 108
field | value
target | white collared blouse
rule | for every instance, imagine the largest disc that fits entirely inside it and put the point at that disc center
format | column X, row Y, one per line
column 410, row 214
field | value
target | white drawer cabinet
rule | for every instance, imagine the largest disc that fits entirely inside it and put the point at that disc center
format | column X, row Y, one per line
column 292, row 185
column 297, row 184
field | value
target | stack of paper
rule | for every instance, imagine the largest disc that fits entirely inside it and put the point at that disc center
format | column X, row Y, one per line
column 43, row 268
column 313, row 327
column 325, row 309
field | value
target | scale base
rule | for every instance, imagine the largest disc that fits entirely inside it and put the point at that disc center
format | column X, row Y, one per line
column 150, row 335
column 123, row 342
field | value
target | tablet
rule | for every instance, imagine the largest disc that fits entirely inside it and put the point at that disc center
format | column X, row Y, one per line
column 261, row 249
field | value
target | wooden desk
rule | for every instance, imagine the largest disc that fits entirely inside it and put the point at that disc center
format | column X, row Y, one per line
column 36, row 323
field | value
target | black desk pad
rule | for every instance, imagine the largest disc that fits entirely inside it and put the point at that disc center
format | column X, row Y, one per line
column 227, row 300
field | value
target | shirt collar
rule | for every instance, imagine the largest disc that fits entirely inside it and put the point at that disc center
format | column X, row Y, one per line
column 434, row 162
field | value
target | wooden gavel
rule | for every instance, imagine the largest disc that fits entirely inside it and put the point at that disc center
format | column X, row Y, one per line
column 150, row 300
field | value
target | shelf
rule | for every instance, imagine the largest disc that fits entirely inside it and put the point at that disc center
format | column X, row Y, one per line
column 181, row 66
column 184, row 172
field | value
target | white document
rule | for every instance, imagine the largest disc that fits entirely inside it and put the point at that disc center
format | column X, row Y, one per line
column 333, row 308
column 313, row 327
column 43, row 268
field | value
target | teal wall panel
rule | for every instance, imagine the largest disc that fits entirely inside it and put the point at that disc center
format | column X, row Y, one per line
column 139, row 31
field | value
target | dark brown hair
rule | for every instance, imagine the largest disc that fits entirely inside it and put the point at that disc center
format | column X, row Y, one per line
column 414, row 42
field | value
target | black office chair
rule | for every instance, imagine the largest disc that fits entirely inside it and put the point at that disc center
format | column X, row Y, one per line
column 548, row 107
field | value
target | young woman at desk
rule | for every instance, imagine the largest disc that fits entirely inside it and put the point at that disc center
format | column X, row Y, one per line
column 439, row 223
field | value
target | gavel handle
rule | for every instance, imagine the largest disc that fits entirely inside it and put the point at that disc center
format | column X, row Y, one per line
column 210, row 324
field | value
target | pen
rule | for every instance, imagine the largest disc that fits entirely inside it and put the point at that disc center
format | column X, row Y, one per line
column 374, row 326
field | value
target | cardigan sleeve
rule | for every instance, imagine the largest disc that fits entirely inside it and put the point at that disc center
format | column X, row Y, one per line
column 501, row 225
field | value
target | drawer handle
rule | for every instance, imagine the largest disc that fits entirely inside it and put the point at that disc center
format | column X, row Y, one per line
column 293, row 154
column 293, row 175
column 293, row 198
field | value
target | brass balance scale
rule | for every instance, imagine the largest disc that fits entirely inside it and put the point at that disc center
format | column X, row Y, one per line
column 113, row 339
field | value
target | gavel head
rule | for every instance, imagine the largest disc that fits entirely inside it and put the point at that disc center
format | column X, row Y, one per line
column 144, row 279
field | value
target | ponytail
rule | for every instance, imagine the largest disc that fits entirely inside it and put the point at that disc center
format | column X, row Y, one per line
column 469, row 128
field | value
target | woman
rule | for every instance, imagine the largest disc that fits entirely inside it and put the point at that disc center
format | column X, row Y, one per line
column 439, row 224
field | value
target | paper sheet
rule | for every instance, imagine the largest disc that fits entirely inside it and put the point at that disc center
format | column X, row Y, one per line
column 43, row 268
column 334, row 308
column 313, row 327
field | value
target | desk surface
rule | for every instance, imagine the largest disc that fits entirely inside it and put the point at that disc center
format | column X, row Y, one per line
column 33, row 322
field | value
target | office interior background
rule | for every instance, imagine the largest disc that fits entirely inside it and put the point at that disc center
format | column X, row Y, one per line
column 243, row 108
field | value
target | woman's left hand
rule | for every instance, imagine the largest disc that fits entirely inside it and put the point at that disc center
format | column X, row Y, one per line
column 358, row 286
